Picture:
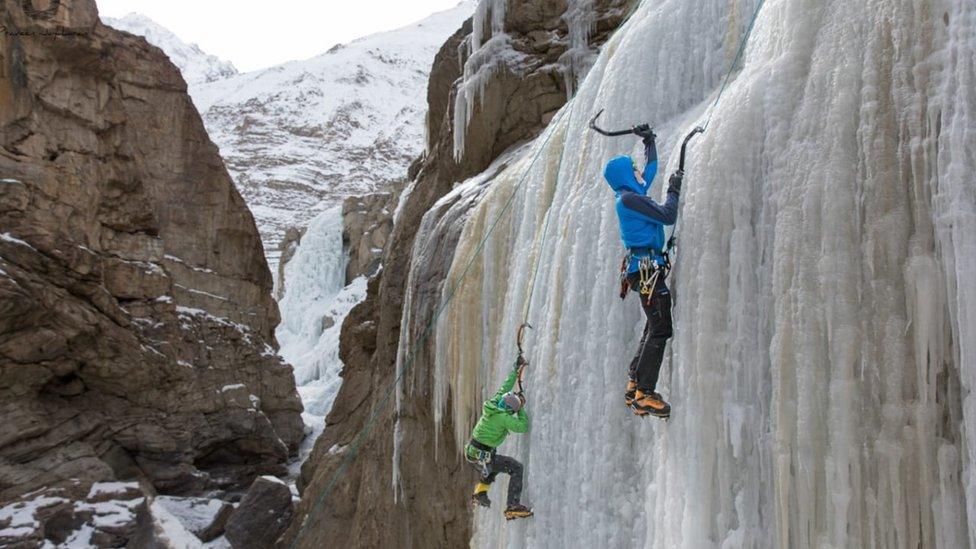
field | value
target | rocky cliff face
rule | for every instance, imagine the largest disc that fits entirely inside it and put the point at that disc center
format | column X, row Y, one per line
column 424, row 502
column 136, row 318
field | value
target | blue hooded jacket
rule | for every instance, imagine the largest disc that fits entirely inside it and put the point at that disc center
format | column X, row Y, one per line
column 642, row 220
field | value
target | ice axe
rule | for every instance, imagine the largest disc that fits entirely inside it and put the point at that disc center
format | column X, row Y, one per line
column 522, row 363
column 684, row 146
column 609, row 133
column 681, row 170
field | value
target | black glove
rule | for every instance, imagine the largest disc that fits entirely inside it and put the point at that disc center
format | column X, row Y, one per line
column 645, row 132
column 674, row 184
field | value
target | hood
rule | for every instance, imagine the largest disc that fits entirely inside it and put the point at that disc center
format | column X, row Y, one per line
column 619, row 174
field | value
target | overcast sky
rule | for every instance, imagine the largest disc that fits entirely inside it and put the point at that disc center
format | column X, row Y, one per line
column 255, row 35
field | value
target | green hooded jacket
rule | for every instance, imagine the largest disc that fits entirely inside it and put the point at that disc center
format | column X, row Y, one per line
column 495, row 424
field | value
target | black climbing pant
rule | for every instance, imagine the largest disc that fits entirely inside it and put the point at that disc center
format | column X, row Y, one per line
column 504, row 464
column 646, row 364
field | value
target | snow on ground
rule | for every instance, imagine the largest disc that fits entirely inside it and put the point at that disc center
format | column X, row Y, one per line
column 195, row 514
column 170, row 530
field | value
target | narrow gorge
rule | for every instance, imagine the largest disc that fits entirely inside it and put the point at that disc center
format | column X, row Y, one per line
column 244, row 310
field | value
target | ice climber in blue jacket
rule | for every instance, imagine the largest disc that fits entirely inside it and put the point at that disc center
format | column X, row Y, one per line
column 645, row 266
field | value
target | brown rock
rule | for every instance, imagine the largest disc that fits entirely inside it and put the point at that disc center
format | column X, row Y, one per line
column 262, row 515
column 367, row 223
column 133, row 284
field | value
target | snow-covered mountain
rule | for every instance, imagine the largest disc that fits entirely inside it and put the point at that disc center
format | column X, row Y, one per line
column 197, row 66
column 300, row 137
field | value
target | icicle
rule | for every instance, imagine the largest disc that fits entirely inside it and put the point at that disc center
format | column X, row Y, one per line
column 488, row 49
column 580, row 18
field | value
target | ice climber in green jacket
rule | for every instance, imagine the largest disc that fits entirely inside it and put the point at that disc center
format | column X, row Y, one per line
column 502, row 413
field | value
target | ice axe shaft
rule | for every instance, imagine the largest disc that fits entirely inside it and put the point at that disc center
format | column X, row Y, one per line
column 684, row 146
column 522, row 363
column 615, row 133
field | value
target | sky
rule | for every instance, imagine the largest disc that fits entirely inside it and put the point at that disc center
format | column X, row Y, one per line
column 255, row 35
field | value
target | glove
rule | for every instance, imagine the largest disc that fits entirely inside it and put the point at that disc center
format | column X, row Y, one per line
column 645, row 132
column 674, row 184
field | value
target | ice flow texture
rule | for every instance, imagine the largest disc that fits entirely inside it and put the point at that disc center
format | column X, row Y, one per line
column 824, row 362
column 312, row 310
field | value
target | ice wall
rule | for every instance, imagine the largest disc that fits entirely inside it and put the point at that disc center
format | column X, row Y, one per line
column 312, row 310
column 824, row 360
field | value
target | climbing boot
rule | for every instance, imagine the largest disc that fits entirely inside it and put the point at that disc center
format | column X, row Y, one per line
column 480, row 495
column 631, row 392
column 517, row 511
column 651, row 404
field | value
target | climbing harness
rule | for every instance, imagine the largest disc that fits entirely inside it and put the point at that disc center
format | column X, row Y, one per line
column 649, row 270
column 479, row 455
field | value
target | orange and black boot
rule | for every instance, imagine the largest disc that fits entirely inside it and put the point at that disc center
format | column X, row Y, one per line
column 517, row 511
column 651, row 404
column 631, row 392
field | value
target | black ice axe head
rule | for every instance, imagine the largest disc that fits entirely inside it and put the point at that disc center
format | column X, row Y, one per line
column 607, row 133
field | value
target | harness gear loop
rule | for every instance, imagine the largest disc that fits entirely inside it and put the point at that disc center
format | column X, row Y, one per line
column 649, row 271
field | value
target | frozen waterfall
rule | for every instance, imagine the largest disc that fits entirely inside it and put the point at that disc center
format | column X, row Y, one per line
column 315, row 303
column 824, row 361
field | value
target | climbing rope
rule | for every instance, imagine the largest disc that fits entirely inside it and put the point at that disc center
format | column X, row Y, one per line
column 542, row 243
column 711, row 110
column 738, row 57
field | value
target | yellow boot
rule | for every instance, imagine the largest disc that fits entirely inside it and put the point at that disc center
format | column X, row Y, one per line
column 517, row 511
column 480, row 495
